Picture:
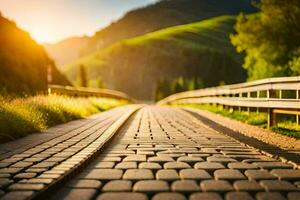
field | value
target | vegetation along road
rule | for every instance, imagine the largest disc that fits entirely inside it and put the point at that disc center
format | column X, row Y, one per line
column 144, row 152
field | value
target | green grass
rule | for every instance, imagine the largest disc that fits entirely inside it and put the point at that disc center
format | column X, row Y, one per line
column 287, row 128
column 22, row 116
column 284, row 127
column 211, row 33
column 207, row 35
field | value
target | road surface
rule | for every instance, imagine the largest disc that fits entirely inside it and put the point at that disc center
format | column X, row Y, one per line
column 139, row 153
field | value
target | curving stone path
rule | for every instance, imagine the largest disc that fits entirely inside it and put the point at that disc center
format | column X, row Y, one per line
column 159, row 153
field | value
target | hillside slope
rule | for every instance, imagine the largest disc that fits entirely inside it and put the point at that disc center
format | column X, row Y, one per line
column 163, row 14
column 198, row 50
column 67, row 50
column 23, row 63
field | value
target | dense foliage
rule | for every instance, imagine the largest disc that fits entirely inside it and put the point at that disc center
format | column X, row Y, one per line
column 140, row 66
column 270, row 39
column 23, row 63
column 165, row 88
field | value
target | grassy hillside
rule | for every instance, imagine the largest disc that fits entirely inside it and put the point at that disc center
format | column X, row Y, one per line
column 67, row 50
column 23, row 63
column 163, row 14
column 199, row 50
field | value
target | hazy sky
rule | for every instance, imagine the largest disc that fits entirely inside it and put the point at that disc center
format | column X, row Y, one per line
column 54, row 20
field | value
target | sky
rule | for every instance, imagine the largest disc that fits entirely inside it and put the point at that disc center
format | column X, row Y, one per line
column 50, row 21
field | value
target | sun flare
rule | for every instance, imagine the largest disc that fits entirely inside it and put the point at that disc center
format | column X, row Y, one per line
column 41, row 36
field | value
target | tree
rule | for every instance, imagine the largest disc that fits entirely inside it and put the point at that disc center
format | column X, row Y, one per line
column 179, row 85
column 270, row 39
column 82, row 76
column 163, row 90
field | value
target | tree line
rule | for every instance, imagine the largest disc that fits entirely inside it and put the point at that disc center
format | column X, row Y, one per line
column 270, row 39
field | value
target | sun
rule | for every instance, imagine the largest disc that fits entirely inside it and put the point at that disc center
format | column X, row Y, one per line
column 41, row 36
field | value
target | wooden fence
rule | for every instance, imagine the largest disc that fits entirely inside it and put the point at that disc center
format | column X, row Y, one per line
column 87, row 92
column 274, row 95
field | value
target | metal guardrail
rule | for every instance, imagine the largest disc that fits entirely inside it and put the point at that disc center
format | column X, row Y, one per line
column 87, row 92
column 267, row 94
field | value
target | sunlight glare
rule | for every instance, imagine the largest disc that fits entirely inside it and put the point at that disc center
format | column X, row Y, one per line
column 41, row 36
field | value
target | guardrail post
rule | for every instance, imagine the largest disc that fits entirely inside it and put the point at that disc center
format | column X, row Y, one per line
column 248, row 108
column 298, row 98
column 271, row 118
column 271, row 114
column 280, row 94
column 257, row 96
column 240, row 107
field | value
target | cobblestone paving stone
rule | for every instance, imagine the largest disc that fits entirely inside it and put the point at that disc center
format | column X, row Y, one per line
column 162, row 153
column 23, row 174
column 18, row 146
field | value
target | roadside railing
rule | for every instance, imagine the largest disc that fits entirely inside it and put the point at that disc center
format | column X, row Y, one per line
column 87, row 92
column 273, row 95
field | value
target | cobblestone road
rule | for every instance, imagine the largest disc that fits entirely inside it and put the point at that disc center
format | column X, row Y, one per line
column 26, row 173
column 161, row 153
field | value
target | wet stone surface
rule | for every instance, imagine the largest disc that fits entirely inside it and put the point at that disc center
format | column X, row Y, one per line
column 163, row 153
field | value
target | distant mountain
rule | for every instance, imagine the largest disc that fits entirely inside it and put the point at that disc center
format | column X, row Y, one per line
column 23, row 63
column 163, row 14
column 67, row 50
column 137, row 66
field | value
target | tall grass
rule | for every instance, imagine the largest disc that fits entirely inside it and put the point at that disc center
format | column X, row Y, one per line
column 21, row 116
column 286, row 126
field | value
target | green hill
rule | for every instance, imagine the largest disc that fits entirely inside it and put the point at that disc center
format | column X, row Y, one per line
column 163, row 14
column 137, row 66
column 23, row 63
